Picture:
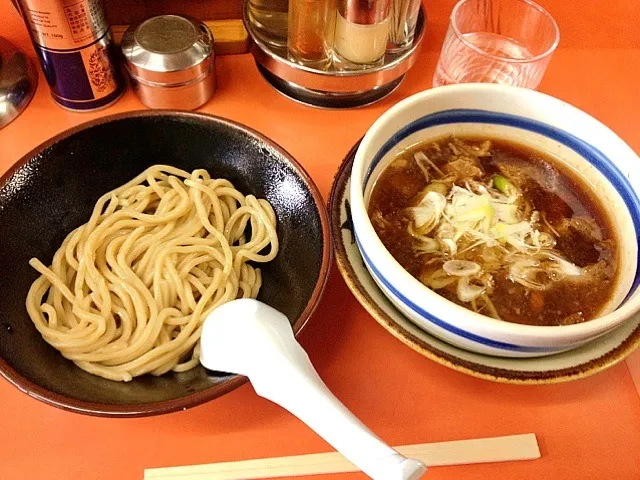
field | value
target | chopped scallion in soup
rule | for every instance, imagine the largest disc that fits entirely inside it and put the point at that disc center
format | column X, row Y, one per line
column 497, row 228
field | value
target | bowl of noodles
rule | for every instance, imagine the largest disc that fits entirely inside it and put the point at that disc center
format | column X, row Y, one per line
column 119, row 236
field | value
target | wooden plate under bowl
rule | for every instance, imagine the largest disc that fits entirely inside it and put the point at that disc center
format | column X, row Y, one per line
column 582, row 362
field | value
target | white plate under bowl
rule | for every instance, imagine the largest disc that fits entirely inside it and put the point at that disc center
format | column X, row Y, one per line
column 587, row 360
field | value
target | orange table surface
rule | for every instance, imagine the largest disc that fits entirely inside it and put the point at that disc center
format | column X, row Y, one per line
column 589, row 429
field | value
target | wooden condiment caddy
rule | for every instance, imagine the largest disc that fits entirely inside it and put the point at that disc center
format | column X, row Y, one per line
column 223, row 17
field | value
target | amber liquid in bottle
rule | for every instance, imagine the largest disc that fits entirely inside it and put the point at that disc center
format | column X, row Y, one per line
column 311, row 31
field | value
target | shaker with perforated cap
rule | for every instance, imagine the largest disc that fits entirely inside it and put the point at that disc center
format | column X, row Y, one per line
column 171, row 62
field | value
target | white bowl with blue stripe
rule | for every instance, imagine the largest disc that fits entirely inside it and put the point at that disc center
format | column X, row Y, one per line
column 522, row 116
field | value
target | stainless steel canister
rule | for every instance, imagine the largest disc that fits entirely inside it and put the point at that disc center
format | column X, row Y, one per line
column 171, row 62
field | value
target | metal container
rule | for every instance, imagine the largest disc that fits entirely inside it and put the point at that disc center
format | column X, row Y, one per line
column 74, row 46
column 171, row 62
column 18, row 81
column 333, row 88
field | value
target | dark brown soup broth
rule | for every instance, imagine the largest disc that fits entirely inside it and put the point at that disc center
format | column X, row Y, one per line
column 567, row 206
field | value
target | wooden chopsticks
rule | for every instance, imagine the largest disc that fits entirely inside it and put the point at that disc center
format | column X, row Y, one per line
column 458, row 452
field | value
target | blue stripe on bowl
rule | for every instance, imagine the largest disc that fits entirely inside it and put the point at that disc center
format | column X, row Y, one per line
column 591, row 154
column 488, row 342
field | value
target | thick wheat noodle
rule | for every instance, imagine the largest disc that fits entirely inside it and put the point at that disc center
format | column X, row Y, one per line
column 127, row 292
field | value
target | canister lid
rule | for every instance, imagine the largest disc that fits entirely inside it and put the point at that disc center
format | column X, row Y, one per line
column 168, row 49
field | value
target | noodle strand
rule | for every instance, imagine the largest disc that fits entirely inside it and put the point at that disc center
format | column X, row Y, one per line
column 127, row 292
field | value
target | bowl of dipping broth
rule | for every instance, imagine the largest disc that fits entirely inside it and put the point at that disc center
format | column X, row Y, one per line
column 499, row 219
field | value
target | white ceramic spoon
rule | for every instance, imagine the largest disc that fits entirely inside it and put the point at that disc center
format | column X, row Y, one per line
column 250, row 338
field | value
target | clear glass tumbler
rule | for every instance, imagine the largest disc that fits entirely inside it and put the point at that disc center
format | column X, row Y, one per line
column 497, row 41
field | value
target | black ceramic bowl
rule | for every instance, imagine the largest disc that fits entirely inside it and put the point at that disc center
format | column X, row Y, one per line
column 53, row 189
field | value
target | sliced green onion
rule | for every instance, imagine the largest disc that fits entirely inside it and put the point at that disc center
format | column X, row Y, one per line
column 467, row 291
column 461, row 268
column 504, row 185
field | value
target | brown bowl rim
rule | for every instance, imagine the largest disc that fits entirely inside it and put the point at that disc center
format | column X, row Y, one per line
column 156, row 408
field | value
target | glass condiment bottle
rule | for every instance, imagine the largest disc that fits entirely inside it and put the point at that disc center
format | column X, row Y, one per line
column 310, row 33
column 362, row 30
column 269, row 19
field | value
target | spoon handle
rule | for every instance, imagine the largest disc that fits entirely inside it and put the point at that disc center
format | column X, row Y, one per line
column 291, row 381
column 250, row 338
